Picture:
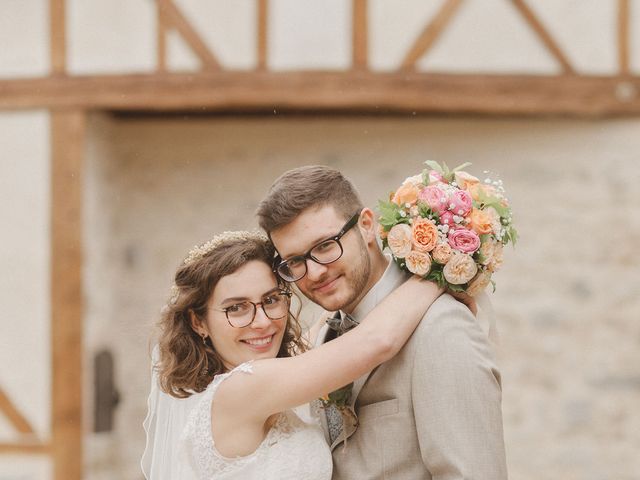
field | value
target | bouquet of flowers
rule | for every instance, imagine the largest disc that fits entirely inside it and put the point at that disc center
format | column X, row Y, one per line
column 448, row 227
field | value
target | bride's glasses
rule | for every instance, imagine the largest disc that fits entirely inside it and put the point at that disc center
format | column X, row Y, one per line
column 274, row 305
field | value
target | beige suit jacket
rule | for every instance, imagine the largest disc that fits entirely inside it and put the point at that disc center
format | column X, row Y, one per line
column 434, row 410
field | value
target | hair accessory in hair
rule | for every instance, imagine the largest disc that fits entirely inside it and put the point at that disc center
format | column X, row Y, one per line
column 199, row 251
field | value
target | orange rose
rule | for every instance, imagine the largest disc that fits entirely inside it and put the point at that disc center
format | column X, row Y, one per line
column 407, row 193
column 425, row 234
column 480, row 222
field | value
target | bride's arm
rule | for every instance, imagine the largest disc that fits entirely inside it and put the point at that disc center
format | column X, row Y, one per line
column 280, row 383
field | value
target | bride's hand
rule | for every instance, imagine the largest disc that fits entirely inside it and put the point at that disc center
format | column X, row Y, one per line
column 467, row 299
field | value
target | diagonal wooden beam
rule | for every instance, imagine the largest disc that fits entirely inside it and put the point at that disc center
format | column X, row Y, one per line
column 427, row 39
column 161, row 41
column 360, row 34
column 263, row 18
column 542, row 33
column 623, row 36
column 19, row 422
column 174, row 18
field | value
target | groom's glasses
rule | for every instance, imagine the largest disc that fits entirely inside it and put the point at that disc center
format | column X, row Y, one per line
column 325, row 252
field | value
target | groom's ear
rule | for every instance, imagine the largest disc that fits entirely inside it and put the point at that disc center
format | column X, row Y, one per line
column 367, row 225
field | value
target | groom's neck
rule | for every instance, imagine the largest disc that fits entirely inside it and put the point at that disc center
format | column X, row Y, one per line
column 379, row 264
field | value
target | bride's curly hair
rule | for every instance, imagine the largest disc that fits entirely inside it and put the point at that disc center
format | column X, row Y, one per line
column 186, row 365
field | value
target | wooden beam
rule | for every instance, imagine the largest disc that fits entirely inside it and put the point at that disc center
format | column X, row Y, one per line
column 161, row 40
column 360, row 34
column 360, row 92
column 262, row 29
column 427, row 39
column 19, row 422
column 67, row 154
column 542, row 33
column 174, row 18
column 623, row 36
column 57, row 37
column 25, row 447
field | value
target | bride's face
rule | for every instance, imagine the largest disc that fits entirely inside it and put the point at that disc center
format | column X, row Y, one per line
column 253, row 282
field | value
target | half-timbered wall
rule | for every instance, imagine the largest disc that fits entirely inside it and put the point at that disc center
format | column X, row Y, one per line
column 122, row 184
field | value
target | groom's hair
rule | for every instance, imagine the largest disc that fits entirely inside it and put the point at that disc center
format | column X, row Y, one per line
column 312, row 186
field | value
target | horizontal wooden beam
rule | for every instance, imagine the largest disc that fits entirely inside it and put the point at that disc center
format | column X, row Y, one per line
column 25, row 447
column 360, row 92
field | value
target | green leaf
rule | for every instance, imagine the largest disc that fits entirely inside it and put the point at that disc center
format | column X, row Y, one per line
column 434, row 166
column 461, row 167
column 389, row 214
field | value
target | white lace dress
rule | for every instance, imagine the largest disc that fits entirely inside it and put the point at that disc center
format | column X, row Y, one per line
column 292, row 449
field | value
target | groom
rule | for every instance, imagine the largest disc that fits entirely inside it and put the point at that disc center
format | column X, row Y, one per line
column 431, row 412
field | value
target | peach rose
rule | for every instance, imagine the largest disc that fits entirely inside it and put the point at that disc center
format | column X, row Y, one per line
column 382, row 232
column 497, row 259
column 442, row 253
column 488, row 251
column 479, row 283
column 407, row 193
column 415, row 180
column 465, row 181
column 418, row 262
column 460, row 269
column 494, row 219
column 399, row 240
column 480, row 221
column 477, row 189
column 424, row 234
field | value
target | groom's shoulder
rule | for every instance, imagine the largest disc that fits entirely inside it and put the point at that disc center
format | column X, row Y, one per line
column 446, row 317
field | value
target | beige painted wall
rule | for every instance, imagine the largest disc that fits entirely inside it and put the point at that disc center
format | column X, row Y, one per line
column 566, row 297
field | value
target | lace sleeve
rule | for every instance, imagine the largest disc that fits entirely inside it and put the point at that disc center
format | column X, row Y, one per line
column 197, row 444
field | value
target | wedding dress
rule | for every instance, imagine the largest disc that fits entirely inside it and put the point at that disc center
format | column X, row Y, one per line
column 180, row 445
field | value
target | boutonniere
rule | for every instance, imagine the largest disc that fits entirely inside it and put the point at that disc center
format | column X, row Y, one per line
column 341, row 399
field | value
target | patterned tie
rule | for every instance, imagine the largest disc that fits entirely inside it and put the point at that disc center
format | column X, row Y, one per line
column 338, row 325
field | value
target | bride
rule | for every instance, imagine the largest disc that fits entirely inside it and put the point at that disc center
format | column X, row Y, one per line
column 231, row 365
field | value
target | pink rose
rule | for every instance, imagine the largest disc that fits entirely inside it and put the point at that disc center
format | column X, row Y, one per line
column 446, row 218
column 436, row 177
column 435, row 198
column 463, row 240
column 460, row 203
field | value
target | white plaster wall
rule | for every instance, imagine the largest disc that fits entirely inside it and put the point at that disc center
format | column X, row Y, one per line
column 24, row 33
column 24, row 282
column 119, row 36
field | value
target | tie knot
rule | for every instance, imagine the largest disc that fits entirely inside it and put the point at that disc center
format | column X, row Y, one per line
column 341, row 323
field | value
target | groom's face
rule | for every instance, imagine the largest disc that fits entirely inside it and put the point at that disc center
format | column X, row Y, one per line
column 335, row 286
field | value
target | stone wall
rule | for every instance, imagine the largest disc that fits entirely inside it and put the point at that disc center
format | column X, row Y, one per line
column 567, row 297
